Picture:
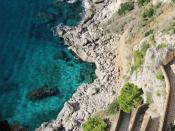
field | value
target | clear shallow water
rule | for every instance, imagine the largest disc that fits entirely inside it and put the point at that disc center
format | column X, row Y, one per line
column 31, row 57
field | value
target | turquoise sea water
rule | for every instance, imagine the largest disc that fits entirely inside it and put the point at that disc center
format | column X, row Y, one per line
column 30, row 57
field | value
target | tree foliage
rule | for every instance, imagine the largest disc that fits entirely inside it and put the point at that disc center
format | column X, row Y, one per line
column 130, row 97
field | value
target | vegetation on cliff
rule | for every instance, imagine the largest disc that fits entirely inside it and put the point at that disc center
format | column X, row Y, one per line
column 113, row 107
column 125, row 8
column 95, row 124
column 130, row 97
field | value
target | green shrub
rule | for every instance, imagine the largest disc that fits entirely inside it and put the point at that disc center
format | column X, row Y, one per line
column 149, row 33
column 95, row 124
column 148, row 13
column 125, row 8
column 130, row 97
column 143, row 2
column 159, row 75
column 113, row 107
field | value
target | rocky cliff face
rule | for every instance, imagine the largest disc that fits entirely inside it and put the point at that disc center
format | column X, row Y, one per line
column 100, row 38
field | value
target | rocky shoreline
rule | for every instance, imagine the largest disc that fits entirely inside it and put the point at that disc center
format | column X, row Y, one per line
column 92, row 44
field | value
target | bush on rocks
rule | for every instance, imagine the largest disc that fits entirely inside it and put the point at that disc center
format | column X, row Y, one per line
column 148, row 13
column 125, row 8
column 130, row 97
column 95, row 124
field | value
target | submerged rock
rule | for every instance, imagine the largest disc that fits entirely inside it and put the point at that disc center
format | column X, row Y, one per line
column 42, row 93
column 4, row 125
column 62, row 55
column 18, row 128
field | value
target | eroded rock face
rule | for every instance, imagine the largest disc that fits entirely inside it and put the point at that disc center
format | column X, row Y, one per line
column 42, row 92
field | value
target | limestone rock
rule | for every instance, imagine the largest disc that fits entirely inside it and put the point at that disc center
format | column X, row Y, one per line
column 92, row 91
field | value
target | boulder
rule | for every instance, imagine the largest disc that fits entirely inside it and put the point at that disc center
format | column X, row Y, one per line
column 42, row 92
column 92, row 91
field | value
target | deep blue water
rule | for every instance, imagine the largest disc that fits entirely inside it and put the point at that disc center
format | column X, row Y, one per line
column 30, row 57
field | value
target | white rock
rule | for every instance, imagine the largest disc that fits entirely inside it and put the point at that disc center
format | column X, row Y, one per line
column 92, row 91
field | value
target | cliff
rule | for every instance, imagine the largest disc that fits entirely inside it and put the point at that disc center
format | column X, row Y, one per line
column 109, row 39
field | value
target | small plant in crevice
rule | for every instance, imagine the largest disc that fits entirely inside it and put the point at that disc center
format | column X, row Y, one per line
column 95, row 124
column 159, row 75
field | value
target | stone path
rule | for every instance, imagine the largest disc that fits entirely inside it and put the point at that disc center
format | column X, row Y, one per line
column 170, row 117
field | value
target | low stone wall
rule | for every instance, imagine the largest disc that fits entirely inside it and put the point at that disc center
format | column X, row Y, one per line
column 115, row 126
column 145, row 122
column 168, row 89
column 135, row 115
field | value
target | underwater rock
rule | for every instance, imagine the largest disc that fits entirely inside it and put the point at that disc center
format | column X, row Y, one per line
column 4, row 125
column 62, row 55
column 42, row 92
column 48, row 18
column 18, row 128
column 40, row 31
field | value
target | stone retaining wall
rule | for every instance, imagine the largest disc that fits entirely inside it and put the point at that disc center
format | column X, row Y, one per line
column 168, row 89
column 117, row 122
column 135, row 115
